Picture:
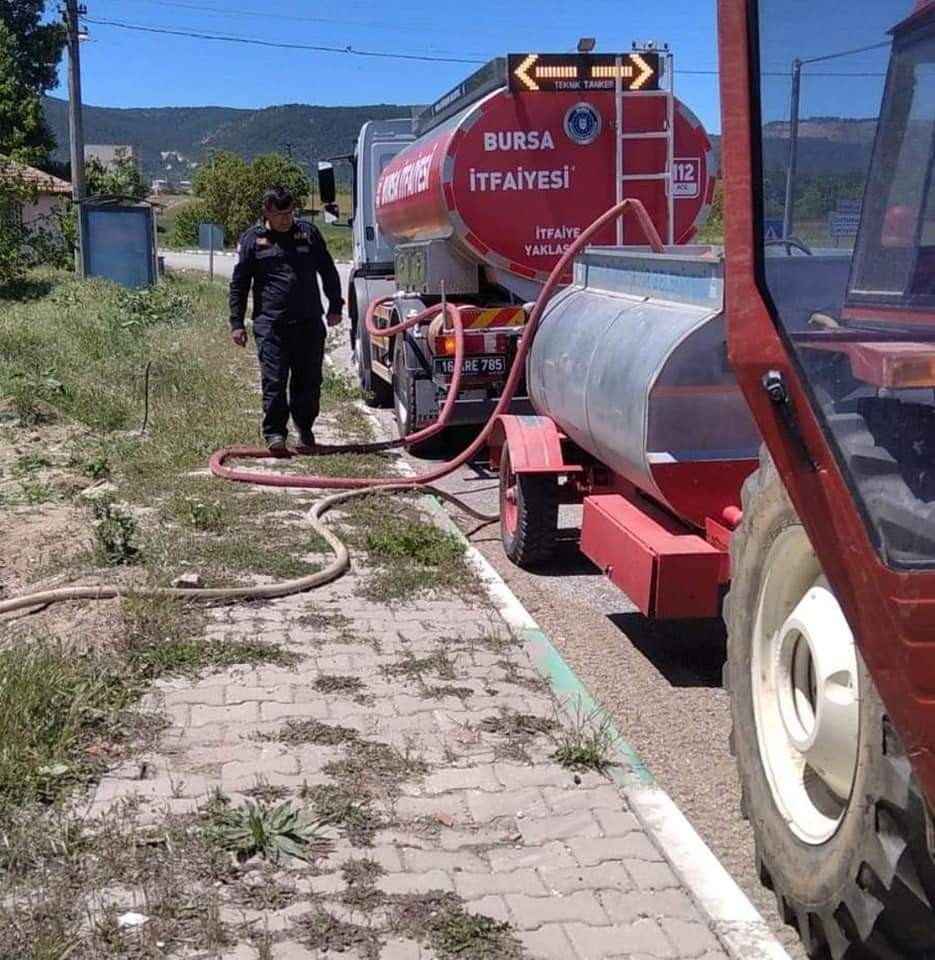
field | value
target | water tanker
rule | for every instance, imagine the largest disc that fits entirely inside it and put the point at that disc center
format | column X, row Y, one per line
column 476, row 198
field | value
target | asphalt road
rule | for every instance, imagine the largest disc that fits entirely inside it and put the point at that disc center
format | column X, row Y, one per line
column 661, row 683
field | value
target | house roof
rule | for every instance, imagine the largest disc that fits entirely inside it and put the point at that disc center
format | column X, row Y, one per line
column 44, row 182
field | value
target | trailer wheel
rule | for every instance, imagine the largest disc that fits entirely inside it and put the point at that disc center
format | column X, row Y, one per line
column 377, row 392
column 841, row 829
column 528, row 514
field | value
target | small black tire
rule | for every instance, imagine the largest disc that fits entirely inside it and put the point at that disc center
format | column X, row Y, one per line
column 866, row 892
column 377, row 392
column 404, row 404
column 528, row 514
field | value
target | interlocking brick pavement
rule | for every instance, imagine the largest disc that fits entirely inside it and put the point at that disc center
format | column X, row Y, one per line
column 493, row 821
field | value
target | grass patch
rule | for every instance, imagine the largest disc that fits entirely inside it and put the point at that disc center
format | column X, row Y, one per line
column 59, row 713
column 52, row 709
column 347, row 465
column 165, row 639
column 411, row 556
column 587, row 744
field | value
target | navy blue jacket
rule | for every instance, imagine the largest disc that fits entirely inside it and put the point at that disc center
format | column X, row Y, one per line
column 284, row 270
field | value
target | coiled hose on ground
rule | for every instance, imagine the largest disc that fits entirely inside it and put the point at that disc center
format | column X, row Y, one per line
column 353, row 487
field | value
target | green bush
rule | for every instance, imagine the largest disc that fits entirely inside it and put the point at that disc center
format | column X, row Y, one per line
column 184, row 231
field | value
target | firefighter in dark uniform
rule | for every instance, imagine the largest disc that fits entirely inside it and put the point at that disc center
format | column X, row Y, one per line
column 283, row 258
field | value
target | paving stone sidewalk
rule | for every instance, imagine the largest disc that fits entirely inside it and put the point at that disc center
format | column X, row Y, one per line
column 437, row 717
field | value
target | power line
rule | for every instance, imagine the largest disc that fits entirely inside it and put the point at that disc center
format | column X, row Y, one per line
column 269, row 15
column 283, row 45
column 381, row 54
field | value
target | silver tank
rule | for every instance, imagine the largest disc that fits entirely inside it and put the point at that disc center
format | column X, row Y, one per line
column 630, row 361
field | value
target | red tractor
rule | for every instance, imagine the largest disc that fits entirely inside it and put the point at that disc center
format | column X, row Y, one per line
column 760, row 422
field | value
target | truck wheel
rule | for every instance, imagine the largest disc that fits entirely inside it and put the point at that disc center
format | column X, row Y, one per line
column 377, row 392
column 842, row 833
column 404, row 403
column 528, row 514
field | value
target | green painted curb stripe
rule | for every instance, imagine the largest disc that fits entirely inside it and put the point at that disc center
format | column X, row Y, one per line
column 552, row 666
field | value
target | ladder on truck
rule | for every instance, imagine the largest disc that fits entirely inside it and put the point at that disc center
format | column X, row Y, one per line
column 667, row 134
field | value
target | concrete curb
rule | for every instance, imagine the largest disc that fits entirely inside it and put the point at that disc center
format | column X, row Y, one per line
column 734, row 920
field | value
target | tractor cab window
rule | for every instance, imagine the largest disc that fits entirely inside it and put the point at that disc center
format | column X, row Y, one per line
column 846, row 90
column 896, row 256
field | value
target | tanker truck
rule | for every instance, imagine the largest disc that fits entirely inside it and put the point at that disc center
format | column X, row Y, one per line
column 475, row 200
column 759, row 420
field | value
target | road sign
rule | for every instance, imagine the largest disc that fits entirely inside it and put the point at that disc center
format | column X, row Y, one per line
column 841, row 225
column 210, row 236
column 772, row 229
column 550, row 72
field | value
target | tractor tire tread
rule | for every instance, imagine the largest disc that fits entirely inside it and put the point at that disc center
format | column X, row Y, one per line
column 885, row 907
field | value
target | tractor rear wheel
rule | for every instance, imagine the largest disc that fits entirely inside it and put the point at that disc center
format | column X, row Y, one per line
column 843, row 836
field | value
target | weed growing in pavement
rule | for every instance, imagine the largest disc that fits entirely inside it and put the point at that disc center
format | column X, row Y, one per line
column 414, row 668
column 342, row 686
column 587, row 744
column 296, row 732
column 164, row 639
column 517, row 730
column 440, row 922
column 337, row 387
column 321, row 931
column 411, row 556
column 254, row 829
column 361, row 878
column 346, row 806
column 54, row 868
column 371, row 763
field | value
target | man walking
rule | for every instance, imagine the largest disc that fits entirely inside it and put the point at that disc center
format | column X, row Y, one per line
column 283, row 258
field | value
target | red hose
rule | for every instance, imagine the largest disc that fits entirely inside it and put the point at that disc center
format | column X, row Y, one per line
column 217, row 463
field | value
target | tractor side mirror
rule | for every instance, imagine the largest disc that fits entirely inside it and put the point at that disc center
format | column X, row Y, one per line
column 332, row 213
column 326, row 184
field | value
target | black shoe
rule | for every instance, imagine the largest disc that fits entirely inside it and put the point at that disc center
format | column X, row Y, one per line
column 306, row 441
column 277, row 445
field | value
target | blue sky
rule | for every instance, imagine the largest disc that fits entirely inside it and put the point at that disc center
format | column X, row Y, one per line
column 123, row 68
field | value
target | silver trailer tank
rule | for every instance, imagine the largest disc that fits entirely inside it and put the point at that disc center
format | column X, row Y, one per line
column 630, row 362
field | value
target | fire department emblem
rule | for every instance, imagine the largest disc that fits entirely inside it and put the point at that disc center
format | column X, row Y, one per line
column 583, row 123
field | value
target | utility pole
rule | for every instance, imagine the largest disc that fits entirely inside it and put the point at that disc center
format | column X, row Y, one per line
column 288, row 147
column 70, row 13
column 792, row 169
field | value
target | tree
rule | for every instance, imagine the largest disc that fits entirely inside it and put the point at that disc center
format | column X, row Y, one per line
column 122, row 178
column 29, row 56
column 231, row 190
